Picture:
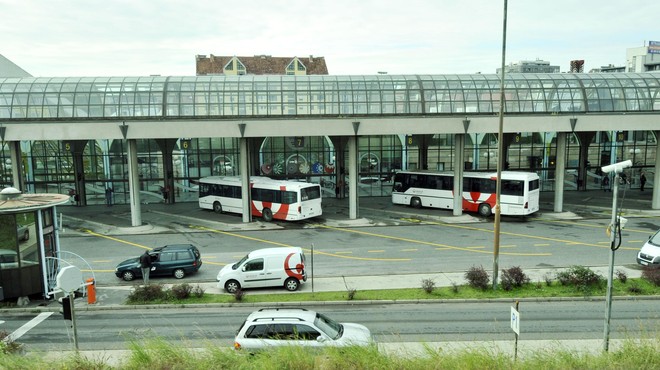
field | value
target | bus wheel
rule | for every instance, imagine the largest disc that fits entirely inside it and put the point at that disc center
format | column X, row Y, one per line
column 484, row 210
column 217, row 207
column 416, row 202
column 267, row 214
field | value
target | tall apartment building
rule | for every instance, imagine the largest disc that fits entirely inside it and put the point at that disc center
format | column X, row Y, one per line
column 260, row 65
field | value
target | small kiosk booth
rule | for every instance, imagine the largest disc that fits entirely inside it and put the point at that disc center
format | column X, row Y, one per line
column 28, row 235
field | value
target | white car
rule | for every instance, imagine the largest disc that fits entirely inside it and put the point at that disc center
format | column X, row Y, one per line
column 649, row 255
column 274, row 327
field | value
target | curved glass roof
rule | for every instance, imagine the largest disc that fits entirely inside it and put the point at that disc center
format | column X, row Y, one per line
column 300, row 96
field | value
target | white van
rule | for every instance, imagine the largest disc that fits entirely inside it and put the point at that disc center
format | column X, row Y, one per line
column 265, row 268
column 650, row 252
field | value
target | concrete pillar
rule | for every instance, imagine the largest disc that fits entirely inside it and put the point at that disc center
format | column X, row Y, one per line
column 655, row 198
column 166, row 147
column 134, row 183
column 353, row 177
column 459, row 164
column 245, row 179
column 560, row 170
column 16, row 166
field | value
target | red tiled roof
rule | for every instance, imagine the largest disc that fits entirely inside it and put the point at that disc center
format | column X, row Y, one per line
column 259, row 64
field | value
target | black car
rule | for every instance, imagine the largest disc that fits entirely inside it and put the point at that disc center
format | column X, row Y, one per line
column 176, row 260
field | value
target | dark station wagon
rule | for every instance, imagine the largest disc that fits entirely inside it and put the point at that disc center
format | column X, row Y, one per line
column 176, row 260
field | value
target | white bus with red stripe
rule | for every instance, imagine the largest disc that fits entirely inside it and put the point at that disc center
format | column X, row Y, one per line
column 271, row 199
column 519, row 191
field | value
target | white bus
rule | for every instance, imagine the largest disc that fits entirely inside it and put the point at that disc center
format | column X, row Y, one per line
column 519, row 195
column 271, row 199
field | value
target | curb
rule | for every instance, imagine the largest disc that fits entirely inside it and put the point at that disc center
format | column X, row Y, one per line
column 329, row 303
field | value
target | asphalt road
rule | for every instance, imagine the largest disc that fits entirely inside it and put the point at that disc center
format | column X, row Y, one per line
column 410, row 247
column 389, row 323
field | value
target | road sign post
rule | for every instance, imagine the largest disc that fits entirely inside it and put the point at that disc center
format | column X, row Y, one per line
column 515, row 326
column 68, row 280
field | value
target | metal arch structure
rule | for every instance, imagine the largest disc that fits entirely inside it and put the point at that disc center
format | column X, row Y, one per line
column 84, row 108
column 249, row 106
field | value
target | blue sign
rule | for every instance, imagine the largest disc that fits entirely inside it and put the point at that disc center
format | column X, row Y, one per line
column 654, row 47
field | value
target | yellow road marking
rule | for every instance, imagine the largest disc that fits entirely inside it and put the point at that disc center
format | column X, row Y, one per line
column 428, row 243
column 409, row 250
column 90, row 232
column 306, row 249
column 527, row 236
column 377, row 251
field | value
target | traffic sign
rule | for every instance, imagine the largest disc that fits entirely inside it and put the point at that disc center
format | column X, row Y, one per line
column 515, row 320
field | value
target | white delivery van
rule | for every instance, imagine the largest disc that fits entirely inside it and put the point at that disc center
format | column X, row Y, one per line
column 265, row 268
column 649, row 255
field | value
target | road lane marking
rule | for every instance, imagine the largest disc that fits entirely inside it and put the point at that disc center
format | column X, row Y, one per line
column 430, row 243
column 27, row 326
column 90, row 232
column 528, row 236
column 316, row 251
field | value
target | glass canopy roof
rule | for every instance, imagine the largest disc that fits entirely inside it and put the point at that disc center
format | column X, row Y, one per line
column 304, row 96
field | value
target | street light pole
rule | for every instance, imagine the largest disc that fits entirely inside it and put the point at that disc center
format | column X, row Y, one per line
column 615, row 226
column 500, row 159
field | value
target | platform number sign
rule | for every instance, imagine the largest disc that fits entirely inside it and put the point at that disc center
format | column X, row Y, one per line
column 296, row 142
column 515, row 320
column 620, row 136
column 185, row 144
column 66, row 146
column 517, row 138
column 411, row 140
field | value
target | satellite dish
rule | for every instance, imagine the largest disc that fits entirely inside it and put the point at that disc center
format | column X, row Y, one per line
column 69, row 279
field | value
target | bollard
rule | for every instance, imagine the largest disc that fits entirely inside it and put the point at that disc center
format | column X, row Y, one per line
column 91, row 291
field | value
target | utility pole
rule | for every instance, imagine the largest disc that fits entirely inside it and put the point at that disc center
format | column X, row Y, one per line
column 500, row 160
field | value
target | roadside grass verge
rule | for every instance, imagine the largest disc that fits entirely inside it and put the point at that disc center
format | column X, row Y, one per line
column 156, row 353
column 529, row 290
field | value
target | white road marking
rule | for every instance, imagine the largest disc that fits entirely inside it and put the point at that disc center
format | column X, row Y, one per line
column 25, row 328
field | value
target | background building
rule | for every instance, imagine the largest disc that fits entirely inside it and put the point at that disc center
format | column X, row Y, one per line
column 643, row 59
column 528, row 66
column 260, row 65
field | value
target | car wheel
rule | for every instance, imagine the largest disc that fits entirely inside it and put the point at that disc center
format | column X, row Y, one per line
column 267, row 214
column 484, row 210
column 179, row 273
column 232, row 286
column 217, row 207
column 26, row 235
column 291, row 284
column 416, row 202
column 128, row 275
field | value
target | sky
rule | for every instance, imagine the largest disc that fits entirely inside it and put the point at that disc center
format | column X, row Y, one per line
column 52, row 38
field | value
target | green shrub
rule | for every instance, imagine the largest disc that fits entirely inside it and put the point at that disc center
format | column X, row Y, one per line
column 147, row 293
column 621, row 276
column 239, row 294
column 181, row 291
column 513, row 277
column 8, row 346
column 428, row 285
column 582, row 278
column 197, row 291
column 477, row 277
column 652, row 274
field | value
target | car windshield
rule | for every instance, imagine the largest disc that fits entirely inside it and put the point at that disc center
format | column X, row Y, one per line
column 328, row 326
column 235, row 266
column 655, row 239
